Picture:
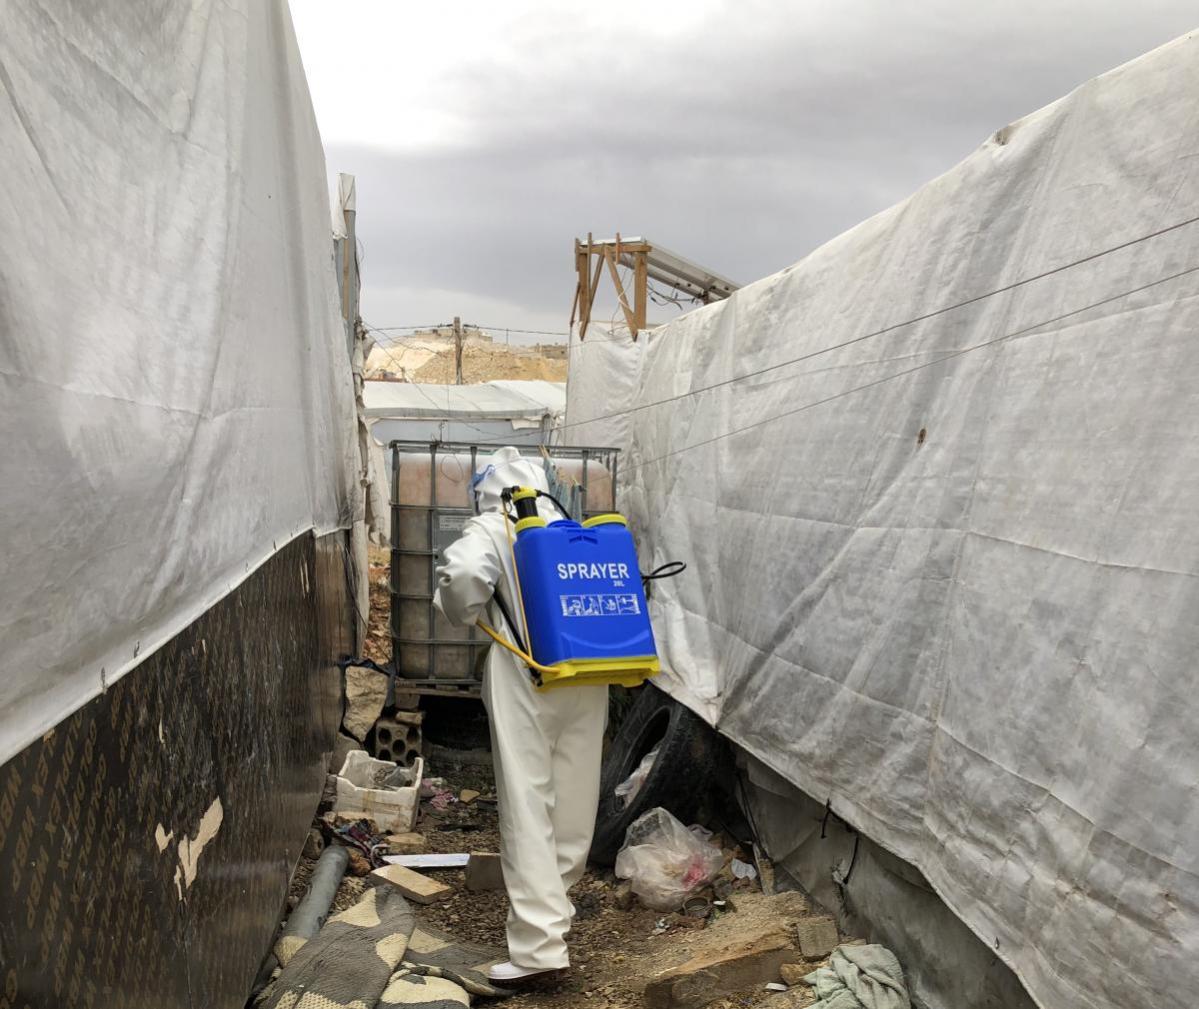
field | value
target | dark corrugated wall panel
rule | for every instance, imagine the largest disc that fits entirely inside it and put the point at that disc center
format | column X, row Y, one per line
column 147, row 841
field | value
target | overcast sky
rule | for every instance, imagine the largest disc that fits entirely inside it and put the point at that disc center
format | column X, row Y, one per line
column 486, row 136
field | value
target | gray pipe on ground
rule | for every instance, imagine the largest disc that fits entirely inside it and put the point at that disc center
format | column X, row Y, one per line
column 313, row 911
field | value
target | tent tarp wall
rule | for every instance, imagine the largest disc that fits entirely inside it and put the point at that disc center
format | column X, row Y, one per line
column 947, row 576
column 601, row 384
column 175, row 393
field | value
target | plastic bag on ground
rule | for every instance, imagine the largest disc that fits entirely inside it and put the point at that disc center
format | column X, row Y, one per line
column 627, row 790
column 664, row 861
column 742, row 870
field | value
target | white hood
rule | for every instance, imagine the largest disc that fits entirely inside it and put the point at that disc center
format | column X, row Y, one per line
column 506, row 468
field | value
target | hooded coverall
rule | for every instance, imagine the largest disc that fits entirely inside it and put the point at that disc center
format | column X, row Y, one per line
column 546, row 746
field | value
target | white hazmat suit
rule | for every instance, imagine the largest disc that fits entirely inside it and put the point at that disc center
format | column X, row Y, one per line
column 546, row 746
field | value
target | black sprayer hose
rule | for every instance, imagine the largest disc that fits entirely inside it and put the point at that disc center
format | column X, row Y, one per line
column 556, row 502
column 667, row 570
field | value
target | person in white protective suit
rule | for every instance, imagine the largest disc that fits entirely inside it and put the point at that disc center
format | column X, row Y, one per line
column 546, row 746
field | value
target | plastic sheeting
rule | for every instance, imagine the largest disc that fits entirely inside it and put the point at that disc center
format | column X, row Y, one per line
column 532, row 402
column 601, row 384
column 175, row 391
column 501, row 412
column 947, row 576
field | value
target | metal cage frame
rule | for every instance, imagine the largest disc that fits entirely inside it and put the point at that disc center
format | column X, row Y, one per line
column 398, row 594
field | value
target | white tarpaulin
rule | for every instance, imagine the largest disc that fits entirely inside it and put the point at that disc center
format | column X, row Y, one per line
column 175, row 391
column 601, row 383
column 500, row 412
column 947, row 576
column 533, row 402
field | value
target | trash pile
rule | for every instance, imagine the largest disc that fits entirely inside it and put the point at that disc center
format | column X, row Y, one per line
column 665, row 862
column 682, row 870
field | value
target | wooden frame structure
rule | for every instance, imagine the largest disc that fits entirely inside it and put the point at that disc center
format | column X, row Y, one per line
column 647, row 262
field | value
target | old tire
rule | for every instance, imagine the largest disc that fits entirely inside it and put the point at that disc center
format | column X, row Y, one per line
column 681, row 776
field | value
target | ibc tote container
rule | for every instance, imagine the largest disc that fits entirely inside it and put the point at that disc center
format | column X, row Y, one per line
column 430, row 503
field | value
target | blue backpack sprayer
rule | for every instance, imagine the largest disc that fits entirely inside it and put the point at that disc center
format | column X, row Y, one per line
column 581, row 596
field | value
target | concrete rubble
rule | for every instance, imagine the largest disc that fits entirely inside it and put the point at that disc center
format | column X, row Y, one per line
column 794, row 973
column 398, row 737
column 484, row 872
column 409, row 843
column 366, row 693
column 750, row 963
column 818, row 937
column 314, row 844
column 414, row 886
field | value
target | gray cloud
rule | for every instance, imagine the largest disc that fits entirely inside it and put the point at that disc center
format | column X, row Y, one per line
column 743, row 141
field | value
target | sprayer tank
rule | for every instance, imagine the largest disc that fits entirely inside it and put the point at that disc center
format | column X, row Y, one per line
column 584, row 601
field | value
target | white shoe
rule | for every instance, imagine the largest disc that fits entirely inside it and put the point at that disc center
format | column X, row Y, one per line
column 510, row 972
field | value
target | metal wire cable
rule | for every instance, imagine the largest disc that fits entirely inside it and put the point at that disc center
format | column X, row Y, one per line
column 447, row 418
column 678, row 300
column 469, row 325
column 510, row 329
column 390, row 340
column 397, row 329
column 391, row 355
column 1015, row 285
column 1006, row 288
column 490, row 329
column 908, row 371
column 583, row 342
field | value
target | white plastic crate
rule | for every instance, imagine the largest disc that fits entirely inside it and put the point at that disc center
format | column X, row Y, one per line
column 358, row 791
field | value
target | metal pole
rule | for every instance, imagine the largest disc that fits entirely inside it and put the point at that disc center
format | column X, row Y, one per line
column 393, row 569
column 347, row 195
column 457, row 351
column 434, row 557
column 349, row 282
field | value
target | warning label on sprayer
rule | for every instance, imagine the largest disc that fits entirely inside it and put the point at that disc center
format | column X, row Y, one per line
column 609, row 605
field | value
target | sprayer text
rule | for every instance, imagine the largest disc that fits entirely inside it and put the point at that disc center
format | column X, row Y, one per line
column 611, row 571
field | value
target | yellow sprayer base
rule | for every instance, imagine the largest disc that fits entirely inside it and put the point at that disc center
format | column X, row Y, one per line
column 600, row 672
